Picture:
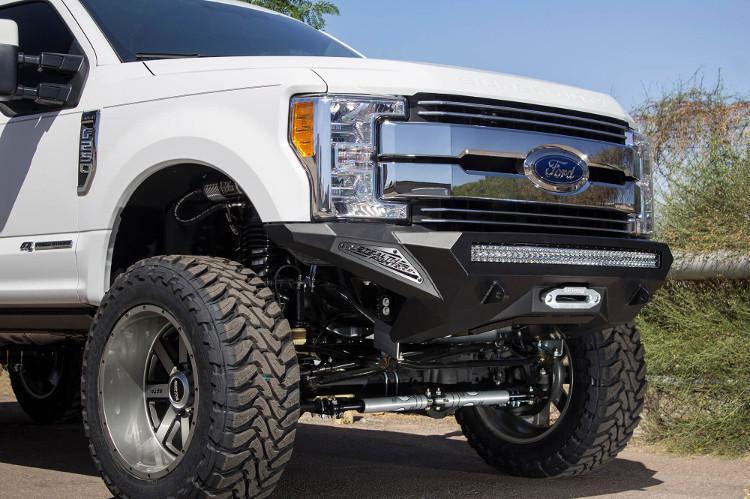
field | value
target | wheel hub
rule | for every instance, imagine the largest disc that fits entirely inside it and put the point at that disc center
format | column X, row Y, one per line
column 179, row 390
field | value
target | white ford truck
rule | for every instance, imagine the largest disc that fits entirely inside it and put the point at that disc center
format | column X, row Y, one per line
column 214, row 218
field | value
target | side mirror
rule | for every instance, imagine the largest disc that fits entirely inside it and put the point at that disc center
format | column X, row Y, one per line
column 8, row 58
column 46, row 94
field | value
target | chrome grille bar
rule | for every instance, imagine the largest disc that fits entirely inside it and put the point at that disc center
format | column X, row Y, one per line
column 518, row 216
column 490, row 107
column 448, row 211
column 488, row 117
column 565, row 228
column 519, row 116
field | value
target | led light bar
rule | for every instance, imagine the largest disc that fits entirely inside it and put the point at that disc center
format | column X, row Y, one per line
column 543, row 255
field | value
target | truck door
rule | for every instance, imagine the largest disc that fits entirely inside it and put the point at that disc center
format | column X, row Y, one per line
column 39, row 155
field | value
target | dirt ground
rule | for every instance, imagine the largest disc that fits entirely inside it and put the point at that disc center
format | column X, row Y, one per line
column 377, row 456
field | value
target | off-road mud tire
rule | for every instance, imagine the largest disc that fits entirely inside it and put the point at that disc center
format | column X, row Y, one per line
column 246, row 365
column 605, row 406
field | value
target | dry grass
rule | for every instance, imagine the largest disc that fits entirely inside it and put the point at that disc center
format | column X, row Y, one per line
column 697, row 337
column 697, row 334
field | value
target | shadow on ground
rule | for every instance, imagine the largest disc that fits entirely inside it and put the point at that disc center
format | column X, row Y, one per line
column 53, row 447
column 347, row 462
column 340, row 461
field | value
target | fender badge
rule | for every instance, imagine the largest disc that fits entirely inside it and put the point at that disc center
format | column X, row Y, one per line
column 87, row 151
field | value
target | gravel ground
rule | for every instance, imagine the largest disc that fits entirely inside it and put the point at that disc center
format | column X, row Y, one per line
column 377, row 456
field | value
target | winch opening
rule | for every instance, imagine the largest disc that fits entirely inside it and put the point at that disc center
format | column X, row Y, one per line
column 571, row 298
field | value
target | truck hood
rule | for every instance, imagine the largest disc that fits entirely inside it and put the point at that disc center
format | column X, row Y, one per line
column 383, row 77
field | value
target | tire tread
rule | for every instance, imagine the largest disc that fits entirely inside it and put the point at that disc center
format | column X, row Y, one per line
column 255, row 377
column 617, row 373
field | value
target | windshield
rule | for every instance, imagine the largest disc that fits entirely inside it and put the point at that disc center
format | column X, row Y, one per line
column 158, row 29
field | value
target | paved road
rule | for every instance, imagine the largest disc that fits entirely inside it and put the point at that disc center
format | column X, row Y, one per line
column 420, row 459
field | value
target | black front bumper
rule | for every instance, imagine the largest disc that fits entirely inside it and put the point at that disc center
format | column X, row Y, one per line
column 445, row 292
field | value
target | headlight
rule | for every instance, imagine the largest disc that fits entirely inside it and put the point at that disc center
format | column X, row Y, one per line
column 643, row 160
column 334, row 137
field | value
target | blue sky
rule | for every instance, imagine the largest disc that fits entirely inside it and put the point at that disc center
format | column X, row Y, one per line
column 624, row 48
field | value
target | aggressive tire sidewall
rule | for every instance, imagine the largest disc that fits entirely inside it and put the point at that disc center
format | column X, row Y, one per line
column 607, row 398
column 193, row 317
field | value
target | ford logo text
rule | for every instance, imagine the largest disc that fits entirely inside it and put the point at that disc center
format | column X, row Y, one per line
column 556, row 170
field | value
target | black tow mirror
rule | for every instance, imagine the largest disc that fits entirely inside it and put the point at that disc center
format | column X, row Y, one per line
column 8, row 59
column 46, row 94
column 49, row 94
column 49, row 61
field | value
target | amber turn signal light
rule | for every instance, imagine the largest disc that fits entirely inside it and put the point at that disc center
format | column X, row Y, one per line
column 303, row 125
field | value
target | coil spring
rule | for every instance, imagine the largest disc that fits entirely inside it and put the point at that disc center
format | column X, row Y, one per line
column 256, row 250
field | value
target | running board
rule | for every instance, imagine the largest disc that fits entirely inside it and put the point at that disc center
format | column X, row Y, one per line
column 46, row 319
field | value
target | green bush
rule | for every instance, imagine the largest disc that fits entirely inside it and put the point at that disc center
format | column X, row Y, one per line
column 701, row 142
column 709, row 209
column 697, row 338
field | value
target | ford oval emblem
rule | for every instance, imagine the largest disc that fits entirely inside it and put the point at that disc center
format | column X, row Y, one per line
column 557, row 170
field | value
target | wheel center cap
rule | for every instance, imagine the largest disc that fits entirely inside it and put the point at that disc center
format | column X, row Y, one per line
column 179, row 390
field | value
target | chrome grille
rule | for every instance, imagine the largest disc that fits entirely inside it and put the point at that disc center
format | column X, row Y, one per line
column 516, row 116
column 519, row 216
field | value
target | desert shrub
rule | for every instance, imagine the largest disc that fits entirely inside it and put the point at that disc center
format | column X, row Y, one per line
column 701, row 142
column 697, row 333
column 696, row 336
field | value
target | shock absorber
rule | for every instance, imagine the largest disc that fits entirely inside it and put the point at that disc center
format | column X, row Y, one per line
column 254, row 249
column 257, row 251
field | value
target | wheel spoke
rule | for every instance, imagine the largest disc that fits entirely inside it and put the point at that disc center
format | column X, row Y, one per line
column 152, row 411
column 169, row 442
column 561, row 400
column 157, row 391
column 163, row 356
column 182, row 352
column 166, row 424
column 184, row 431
